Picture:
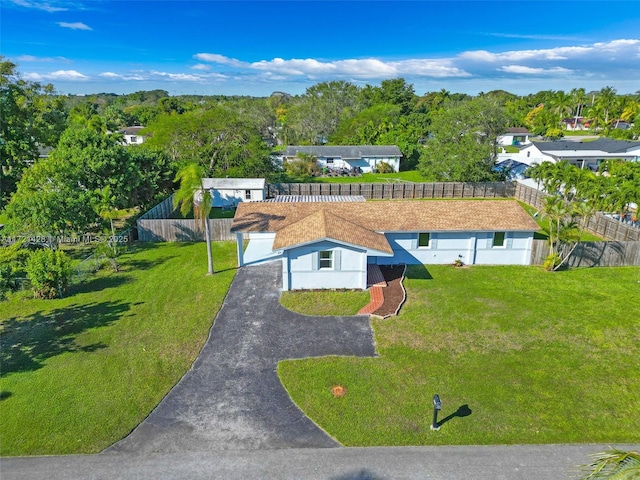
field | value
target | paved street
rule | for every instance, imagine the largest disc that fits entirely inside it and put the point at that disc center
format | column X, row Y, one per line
column 531, row 462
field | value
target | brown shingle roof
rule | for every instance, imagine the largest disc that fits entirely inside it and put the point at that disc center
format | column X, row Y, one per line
column 323, row 224
column 361, row 223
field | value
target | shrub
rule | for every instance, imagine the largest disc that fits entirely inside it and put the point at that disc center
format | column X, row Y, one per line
column 551, row 262
column 384, row 167
column 49, row 272
column 553, row 133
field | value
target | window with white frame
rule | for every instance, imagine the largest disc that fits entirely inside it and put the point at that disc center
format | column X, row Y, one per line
column 247, row 194
column 133, row 139
column 326, row 260
column 424, row 240
column 499, row 239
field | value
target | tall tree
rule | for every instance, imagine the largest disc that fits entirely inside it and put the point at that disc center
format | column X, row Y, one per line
column 192, row 196
column 215, row 137
column 32, row 116
column 463, row 146
column 315, row 116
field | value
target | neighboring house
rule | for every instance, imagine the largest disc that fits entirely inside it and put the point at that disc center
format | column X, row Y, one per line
column 331, row 244
column 229, row 192
column 132, row 135
column 573, row 124
column 365, row 157
column 581, row 154
column 514, row 136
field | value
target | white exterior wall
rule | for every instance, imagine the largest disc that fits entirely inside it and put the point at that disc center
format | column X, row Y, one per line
column 133, row 139
column 517, row 249
column 470, row 247
column 531, row 155
column 224, row 197
column 300, row 268
column 508, row 139
column 367, row 164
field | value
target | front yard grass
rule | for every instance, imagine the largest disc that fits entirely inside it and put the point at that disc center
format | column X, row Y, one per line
column 325, row 302
column 79, row 373
column 518, row 355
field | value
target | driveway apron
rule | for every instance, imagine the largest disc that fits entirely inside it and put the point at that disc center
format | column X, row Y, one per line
column 232, row 398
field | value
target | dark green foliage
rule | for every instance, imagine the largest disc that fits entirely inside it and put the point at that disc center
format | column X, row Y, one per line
column 463, row 144
column 32, row 116
column 49, row 272
column 216, row 138
column 58, row 194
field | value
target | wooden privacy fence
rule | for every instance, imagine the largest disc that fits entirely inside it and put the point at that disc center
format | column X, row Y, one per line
column 599, row 224
column 593, row 254
column 390, row 191
column 175, row 230
column 161, row 211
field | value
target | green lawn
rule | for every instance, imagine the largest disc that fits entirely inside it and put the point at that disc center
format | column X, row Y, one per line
column 517, row 355
column 80, row 372
column 407, row 176
column 325, row 302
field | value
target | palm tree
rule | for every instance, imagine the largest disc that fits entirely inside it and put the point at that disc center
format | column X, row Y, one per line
column 192, row 196
column 579, row 99
column 556, row 211
column 107, row 211
column 614, row 464
column 607, row 100
column 561, row 105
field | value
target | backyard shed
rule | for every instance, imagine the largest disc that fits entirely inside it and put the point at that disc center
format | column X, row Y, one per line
column 229, row 192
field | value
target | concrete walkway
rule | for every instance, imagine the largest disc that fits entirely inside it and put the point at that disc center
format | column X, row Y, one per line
column 517, row 462
column 232, row 397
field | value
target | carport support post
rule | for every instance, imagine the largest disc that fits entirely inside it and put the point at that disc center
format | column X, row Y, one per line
column 239, row 244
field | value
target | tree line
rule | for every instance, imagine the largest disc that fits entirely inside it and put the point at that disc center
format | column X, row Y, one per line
column 446, row 136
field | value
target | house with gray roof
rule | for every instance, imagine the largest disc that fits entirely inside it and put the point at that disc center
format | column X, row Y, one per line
column 132, row 135
column 365, row 157
column 336, row 244
column 581, row 154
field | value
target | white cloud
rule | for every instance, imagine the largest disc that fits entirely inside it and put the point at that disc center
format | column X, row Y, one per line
column 118, row 76
column 46, row 6
column 201, row 66
column 58, row 75
column 75, row 25
column 578, row 52
column 177, row 76
column 68, row 75
column 358, row 68
column 34, row 59
column 219, row 59
column 521, row 69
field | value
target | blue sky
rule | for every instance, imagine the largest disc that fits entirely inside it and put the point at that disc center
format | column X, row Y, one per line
column 258, row 47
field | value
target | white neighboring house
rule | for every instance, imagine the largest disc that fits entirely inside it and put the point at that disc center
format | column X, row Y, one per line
column 335, row 244
column 365, row 157
column 132, row 135
column 229, row 192
column 581, row 154
column 514, row 136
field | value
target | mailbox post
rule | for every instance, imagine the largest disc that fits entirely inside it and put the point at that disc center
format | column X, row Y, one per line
column 437, row 405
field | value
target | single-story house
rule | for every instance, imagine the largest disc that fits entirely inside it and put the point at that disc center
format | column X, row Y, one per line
column 132, row 135
column 580, row 154
column 365, row 157
column 229, row 192
column 331, row 244
column 514, row 136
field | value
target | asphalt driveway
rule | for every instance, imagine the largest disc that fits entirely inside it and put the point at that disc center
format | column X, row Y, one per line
column 232, row 398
